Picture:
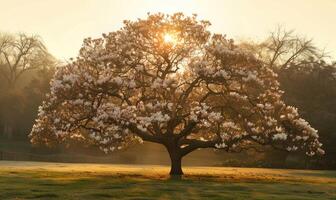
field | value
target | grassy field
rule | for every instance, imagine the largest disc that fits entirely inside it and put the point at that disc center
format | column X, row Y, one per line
column 36, row 180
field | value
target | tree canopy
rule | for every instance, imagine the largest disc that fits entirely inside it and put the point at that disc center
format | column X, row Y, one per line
column 167, row 79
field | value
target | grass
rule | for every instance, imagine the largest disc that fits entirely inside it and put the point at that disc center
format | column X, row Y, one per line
column 37, row 180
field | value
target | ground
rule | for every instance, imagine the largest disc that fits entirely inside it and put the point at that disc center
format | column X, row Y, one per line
column 39, row 180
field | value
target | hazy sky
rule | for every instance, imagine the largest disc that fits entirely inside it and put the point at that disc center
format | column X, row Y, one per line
column 64, row 23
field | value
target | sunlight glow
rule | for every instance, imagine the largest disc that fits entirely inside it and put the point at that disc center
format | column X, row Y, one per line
column 169, row 38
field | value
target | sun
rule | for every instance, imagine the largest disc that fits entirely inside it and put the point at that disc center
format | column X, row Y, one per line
column 169, row 38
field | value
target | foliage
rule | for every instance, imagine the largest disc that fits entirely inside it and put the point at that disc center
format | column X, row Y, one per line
column 312, row 89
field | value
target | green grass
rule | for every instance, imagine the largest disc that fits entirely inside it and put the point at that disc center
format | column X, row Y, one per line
column 34, row 180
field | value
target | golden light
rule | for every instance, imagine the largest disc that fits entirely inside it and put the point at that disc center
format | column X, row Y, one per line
column 169, row 38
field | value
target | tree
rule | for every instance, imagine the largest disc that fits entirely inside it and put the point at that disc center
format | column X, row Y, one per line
column 20, row 53
column 167, row 79
column 284, row 49
column 22, row 58
column 307, row 76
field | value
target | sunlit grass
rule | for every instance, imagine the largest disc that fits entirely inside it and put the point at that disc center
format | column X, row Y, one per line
column 29, row 180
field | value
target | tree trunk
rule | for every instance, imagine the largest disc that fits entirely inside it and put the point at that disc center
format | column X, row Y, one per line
column 176, row 163
column 176, row 166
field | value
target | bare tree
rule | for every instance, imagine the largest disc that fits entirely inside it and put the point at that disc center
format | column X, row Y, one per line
column 20, row 53
column 284, row 49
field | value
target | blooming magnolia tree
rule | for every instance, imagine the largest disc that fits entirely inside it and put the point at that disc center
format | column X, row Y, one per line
column 167, row 79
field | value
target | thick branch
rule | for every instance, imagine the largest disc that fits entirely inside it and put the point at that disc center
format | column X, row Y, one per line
column 193, row 144
column 187, row 130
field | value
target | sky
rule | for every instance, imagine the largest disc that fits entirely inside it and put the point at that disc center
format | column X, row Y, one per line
column 63, row 24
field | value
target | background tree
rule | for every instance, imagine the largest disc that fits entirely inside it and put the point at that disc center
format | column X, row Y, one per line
column 168, row 80
column 283, row 49
column 307, row 76
column 312, row 88
column 23, row 61
column 20, row 53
